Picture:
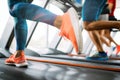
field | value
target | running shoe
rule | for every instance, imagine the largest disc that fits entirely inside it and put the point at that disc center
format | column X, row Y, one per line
column 17, row 61
column 101, row 56
column 117, row 50
column 71, row 29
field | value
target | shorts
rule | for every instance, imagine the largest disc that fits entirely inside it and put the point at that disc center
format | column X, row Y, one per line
column 92, row 9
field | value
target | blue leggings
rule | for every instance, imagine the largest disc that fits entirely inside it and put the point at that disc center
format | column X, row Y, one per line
column 78, row 1
column 22, row 11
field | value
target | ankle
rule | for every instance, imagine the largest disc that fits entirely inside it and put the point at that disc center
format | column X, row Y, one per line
column 58, row 22
column 19, row 53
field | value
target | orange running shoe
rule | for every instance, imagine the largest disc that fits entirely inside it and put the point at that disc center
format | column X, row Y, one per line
column 117, row 50
column 70, row 29
column 17, row 61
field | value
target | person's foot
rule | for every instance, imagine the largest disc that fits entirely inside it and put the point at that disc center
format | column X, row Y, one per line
column 101, row 56
column 71, row 29
column 17, row 61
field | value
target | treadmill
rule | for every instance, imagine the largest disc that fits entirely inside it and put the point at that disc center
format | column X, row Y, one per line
column 54, row 64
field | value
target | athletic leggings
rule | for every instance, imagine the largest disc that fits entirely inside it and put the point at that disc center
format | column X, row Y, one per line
column 22, row 11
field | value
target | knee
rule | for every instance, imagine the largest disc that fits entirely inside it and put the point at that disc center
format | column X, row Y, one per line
column 14, row 9
column 87, row 27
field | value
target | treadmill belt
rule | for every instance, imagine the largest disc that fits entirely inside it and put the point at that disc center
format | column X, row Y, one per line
column 47, row 71
column 104, row 65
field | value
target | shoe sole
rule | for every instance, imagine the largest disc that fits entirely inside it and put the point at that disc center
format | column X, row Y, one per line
column 77, row 30
column 98, row 59
column 24, row 64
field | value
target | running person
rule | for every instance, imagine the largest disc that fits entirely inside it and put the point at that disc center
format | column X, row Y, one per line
column 105, row 34
column 90, row 13
column 23, row 10
column 91, row 23
column 111, row 6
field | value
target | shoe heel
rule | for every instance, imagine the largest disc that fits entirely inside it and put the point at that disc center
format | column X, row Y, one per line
column 24, row 64
column 9, row 63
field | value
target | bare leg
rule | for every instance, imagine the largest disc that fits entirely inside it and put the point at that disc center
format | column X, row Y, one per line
column 94, row 35
column 58, row 21
column 103, row 38
column 99, row 25
column 106, row 34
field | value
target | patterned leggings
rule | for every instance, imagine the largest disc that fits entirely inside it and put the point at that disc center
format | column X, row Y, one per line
column 26, row 11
